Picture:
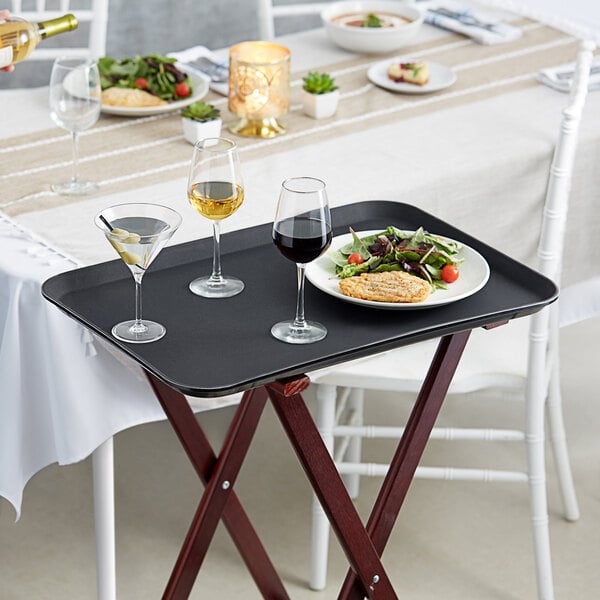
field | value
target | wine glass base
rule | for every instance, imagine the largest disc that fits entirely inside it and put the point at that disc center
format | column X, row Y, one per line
column 75, row 188
column 207, row 287
column 126, row 332
column 288, row 332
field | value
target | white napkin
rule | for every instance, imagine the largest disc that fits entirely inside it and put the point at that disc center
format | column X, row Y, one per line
column 560, row 77
column 501, row 33
column 191, row 54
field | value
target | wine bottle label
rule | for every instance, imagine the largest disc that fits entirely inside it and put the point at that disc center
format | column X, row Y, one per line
column 6, row 56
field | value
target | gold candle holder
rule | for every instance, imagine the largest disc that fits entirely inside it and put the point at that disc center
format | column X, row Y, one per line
column 259, row 88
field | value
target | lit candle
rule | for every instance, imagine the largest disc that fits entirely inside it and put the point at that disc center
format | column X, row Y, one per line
column 259, row 88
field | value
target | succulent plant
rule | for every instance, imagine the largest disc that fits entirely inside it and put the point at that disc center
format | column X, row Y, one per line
column 318, row 83
column 201, row 111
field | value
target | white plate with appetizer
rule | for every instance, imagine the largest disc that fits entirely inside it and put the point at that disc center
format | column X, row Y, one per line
column 411, row 76
column 474, row 273
column 199, row 85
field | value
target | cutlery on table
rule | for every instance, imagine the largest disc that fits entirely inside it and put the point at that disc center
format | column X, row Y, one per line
column 218, row 72
column 569, row 74
column 463, row 17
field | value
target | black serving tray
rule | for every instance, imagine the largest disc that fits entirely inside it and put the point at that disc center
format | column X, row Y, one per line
column 217, row 347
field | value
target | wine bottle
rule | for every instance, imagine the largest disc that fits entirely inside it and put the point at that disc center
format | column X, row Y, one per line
column 18, row 38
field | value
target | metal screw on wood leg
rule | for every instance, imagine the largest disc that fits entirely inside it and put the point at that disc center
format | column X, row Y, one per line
column 375, row 579
column 225, row 485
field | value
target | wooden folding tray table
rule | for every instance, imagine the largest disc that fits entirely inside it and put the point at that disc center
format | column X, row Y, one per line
column 218, row 347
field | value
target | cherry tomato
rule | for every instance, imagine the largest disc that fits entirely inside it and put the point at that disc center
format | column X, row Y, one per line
column 141, row 83
column 355, row 259
column 182, row 90
column 450, row 273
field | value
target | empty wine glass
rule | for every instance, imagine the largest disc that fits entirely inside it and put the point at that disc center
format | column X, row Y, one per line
column 301, row 232
column 75, row 100
column 216, row 191
column 138, row 233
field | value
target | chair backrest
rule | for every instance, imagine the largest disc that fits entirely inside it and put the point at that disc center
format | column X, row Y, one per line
column 267, row 13
column 544, row 326
column 92, row 12
column 550, row 247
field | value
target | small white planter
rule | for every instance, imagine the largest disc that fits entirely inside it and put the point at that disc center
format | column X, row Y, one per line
column 320, row 106
column 199, row 130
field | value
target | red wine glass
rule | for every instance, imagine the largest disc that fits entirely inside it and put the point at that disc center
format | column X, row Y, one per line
column 301, row 232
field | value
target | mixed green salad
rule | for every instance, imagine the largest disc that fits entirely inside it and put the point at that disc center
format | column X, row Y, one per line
column 153, row 73
column 417, row 252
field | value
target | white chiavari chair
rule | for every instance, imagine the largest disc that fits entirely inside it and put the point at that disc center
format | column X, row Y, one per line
column 268, row 13
column 521, row 356
column 92, row 15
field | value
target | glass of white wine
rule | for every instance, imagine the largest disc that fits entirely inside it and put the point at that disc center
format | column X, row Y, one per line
column 75, row 101
column 138, row 233
column 216, row 191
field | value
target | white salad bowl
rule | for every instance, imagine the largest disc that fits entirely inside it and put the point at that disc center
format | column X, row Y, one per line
column 406, row 19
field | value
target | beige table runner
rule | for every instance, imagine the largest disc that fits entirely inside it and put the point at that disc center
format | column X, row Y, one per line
column 123, row 154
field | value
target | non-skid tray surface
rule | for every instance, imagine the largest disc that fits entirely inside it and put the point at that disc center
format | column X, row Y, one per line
column 216, row 347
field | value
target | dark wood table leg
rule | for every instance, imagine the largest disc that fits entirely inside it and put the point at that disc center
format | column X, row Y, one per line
column 219, row 500
column 364, row 547
column 325, row 480
column 409, row 451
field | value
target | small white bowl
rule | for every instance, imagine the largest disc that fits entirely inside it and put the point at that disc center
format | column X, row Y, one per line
column 372, row 40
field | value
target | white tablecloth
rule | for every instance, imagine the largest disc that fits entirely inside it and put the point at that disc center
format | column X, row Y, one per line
column 482, row 166
column 62, row 391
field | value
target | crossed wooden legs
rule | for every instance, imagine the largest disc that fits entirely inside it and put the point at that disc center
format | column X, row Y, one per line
column 219, row 499
column 363, row 546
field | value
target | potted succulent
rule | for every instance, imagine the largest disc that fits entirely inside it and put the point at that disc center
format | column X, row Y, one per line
column 320, row 95
column 200, row 120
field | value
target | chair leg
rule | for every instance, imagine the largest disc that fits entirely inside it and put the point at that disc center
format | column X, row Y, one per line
column 325, row 419
column 534, row 424
column 354, row 450
column 104, row 516
column 558, row 442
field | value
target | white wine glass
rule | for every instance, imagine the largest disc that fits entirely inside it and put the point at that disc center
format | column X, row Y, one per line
column 75, row 101
column 138, row 233
column 216, row 191
column 301, row 232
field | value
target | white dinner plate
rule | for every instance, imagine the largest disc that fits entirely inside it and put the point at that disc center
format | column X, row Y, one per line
column 199, row 84
column 440, row 77
column 474, row 274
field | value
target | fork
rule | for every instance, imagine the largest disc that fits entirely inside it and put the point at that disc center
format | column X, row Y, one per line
column 218, row 72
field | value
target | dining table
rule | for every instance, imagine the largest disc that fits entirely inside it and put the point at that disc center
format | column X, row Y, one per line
column 475, row 154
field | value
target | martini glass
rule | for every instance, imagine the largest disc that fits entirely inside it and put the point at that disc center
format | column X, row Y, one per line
column 138, row 233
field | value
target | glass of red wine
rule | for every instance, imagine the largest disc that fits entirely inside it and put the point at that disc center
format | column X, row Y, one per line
column 301, row 232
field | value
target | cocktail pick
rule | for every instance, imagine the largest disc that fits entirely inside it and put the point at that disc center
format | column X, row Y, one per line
column 106, row 222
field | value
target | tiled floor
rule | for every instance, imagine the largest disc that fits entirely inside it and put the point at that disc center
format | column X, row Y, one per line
column 452, row 541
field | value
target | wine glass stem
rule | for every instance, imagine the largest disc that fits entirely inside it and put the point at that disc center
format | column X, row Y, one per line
column 299, row 320
column 75, row 156
column 216, row 271
column 138, row 326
